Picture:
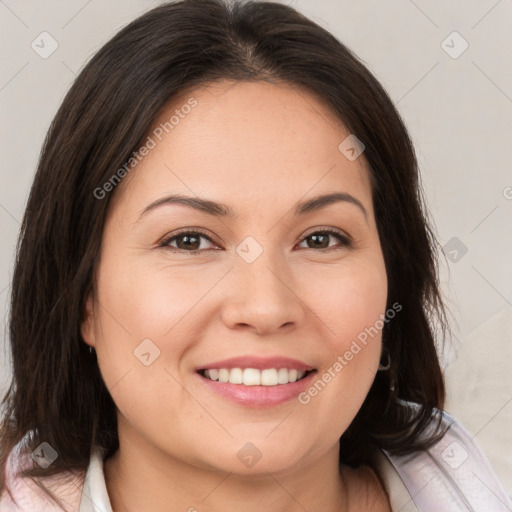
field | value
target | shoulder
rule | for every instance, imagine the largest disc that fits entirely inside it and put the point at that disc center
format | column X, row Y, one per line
column 452, row 475
column 30, row 497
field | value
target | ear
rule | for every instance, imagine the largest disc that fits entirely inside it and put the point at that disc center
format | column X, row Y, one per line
column 87, row 327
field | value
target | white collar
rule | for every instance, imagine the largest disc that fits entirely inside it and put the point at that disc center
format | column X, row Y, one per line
column 94, row 493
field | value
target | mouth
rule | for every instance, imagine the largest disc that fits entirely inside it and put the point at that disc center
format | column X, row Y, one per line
column 256, row 388
column 254, row 376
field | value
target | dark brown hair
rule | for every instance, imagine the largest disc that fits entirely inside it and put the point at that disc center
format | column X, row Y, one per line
column 57, row 394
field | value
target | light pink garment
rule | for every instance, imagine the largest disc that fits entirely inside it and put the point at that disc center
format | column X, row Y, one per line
column 453, row 475
column 30, row 498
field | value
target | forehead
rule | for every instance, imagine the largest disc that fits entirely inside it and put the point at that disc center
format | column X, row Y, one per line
column 246, row 141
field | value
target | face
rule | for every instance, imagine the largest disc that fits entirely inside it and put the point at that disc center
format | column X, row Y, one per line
column 260, row 296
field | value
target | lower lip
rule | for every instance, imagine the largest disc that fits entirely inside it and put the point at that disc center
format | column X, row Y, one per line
column 259, row 396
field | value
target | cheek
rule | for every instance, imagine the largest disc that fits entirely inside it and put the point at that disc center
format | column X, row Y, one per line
column 146, row 321
column 353, row 309
column 149, row 314
column 350, row 302
column 362, row 307
column 149, row 301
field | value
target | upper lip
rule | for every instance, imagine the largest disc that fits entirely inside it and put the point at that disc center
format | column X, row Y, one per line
column 260, row 363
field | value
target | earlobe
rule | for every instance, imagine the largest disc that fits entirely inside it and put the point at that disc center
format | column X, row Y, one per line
column 87, row 326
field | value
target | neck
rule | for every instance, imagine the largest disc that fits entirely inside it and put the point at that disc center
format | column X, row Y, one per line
column 147, row 480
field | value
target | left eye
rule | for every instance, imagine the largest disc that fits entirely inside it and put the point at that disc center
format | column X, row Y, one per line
column 319, row 237
column 190, row 241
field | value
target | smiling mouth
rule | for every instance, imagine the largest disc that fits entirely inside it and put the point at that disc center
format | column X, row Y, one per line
column 254, row 376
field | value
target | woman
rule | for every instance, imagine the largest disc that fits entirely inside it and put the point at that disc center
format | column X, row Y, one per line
column 226, row 286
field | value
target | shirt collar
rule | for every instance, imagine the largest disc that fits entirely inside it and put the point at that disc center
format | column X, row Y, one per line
column 398, row 494
column 94, row 494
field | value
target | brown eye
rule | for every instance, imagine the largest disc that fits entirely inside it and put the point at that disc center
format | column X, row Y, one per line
column 321, row 239
column 186, row 241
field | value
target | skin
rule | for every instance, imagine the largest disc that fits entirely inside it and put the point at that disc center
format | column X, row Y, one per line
column 259, row 148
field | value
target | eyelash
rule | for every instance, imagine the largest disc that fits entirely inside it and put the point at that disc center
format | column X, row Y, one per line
column 345, row 240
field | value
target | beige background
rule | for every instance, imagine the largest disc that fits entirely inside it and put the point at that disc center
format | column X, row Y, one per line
column 458, row 110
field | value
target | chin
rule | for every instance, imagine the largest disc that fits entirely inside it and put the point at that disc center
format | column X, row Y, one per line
column 256, row 457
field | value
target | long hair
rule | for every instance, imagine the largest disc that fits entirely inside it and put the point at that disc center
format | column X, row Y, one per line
column 57, row 394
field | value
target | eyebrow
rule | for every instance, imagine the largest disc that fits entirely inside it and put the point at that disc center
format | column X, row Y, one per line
column 218, row 209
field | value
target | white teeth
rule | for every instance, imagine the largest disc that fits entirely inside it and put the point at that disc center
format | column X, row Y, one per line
column 235, row 376
column 282, row 376
column 255, row 377
column 252, row 377
column 269, row 377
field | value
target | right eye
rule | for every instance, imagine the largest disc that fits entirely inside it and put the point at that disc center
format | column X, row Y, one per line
column 186, row 241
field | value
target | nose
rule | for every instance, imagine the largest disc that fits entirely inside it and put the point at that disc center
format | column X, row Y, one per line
column 262, row 297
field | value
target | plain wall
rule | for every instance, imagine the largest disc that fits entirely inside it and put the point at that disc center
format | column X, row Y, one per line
column 459, row 112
